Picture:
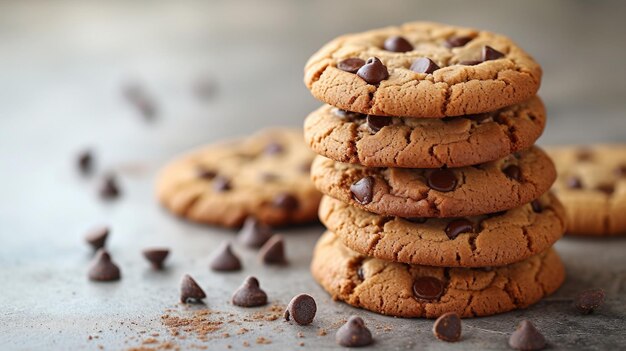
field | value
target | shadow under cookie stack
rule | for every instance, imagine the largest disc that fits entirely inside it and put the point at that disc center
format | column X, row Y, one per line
column 435, row 199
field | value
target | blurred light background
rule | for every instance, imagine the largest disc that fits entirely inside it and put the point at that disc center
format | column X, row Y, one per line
column 63, row 65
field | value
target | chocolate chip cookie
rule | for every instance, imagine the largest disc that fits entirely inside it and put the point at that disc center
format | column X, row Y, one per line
column 265, row 175
column 402, row 290
column 488, row 240
column 422, row 69
column 376, row 141
column 447, row 192
column 592, row 186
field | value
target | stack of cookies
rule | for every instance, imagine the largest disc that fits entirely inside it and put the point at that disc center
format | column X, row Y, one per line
column 435, row 198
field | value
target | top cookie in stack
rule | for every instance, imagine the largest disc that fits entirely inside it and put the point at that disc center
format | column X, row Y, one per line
column 422, row 70
column 430, row 173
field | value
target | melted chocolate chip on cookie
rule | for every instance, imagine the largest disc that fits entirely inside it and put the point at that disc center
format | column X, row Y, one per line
column 459, row 226
column 373, row 72
column 428, row 288
column 513, row 172
column 286, row 201
column 606, row 188
column 376, row 123
column 205, row 173
column 221, row 184
column 442, row 180
column 397, row 44
column 351, row 65
column 574, row 182
column 273, row 149
column 424, row 65
column 489, row 53
column 537, row 206
column 362, row 190
column 457, row 41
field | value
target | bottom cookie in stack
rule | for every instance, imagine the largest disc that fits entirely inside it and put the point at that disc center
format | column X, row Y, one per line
column 404, row 290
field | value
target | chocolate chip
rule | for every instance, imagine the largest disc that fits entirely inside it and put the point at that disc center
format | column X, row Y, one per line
column 268, row 177
column 360, row 273
column 156, row 257
column 205, row 173
column 108, row 188
column 448, row 327
column 221, row 184
column 589, row 300
column 428, row 288
column 620, row 171
column 249, row 294
column 254, row 233
column 85, row 161
column 273, row 251
column 354, row 333
column 490, row 53
column 470, row 62
column 362, row 190
column 459, row 226
column 102, row 268
column 537, row 206
column 286, row 201
column 606, row 188
column 305, row 167
column 138, row 97
column 574, row 182
column 442, row 180
column 190, row 290
column 301, row 309
column 204, row 88
column 224, row 260
column 513, row 172
column 373, row 72
column 419, row 220
column 457, row 41
column 526, row 337
column 483, row 118
column 424, row 65
column 97, row 237
column 584, row 155
column 349, row 115
column 376, row 123
column 397, row 44
column 273, row 149
column 351, row 65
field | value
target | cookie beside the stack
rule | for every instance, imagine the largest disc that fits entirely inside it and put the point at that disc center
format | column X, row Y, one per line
column 435, row 198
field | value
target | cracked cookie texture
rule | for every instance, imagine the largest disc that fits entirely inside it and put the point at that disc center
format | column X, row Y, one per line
column 592, row 186
column 389, row 287
column 265, row 175
column 425, row 143
column 465, row 82
column 403, row 192
column 490, row 240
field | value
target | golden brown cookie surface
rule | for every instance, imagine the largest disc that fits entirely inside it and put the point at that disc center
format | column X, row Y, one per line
column 478, row 241
column 454, row 192
column 424, row 143
column 434, row 70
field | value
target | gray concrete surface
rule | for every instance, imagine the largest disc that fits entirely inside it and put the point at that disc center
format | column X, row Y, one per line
column 61, row 68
